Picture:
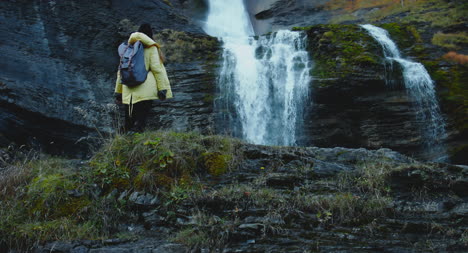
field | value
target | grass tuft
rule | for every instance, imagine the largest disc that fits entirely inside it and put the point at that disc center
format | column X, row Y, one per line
column 450, row 40
column 48, row 199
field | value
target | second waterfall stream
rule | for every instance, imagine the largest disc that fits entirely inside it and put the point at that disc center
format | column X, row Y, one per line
column 420, row 88
column 264, row 82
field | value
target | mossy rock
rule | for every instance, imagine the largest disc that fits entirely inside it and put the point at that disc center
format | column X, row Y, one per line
column 216, row 163
column 182, row 47
column 160, row 160
column 450, row 80
column 47, row 196
column 407, row 37
column 340, row 51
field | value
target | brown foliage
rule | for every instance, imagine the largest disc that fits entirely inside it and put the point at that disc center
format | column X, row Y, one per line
column 13, row 179
column 455, row 57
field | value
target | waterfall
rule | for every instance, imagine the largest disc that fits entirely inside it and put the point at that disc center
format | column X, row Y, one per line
column 420, row 88
column 263, row 82
column 228, row 19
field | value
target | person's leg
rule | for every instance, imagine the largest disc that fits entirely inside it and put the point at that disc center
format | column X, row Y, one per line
column 141, row 112
column 129, row 119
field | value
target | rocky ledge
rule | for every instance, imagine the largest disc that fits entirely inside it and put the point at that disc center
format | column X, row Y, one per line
column 173, row 192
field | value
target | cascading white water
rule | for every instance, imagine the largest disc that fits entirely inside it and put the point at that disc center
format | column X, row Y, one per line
column 420, row 87
column 264, row 82
column 228, row 19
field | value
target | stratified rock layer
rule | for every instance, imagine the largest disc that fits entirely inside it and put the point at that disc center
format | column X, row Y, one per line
column 353, row 105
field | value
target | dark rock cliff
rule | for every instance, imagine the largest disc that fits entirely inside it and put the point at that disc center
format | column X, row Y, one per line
column 353, row 103
column 272, row 15
column 59, row 64
column 429, row 29
column 60, row 60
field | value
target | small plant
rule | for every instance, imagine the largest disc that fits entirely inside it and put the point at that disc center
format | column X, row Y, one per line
column 369, row 178
column 324, row 217
column 192, row 237
column 206, row 231
column 179, row 193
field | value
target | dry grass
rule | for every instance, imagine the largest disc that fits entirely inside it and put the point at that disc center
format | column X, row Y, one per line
column 352, row 5
column 206, row 231
column 167, row 2
column 436, row 12
column 12, row 180
column 343, row 208
column 450, row 40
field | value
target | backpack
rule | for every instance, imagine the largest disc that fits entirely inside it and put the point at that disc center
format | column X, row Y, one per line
column 132, row 64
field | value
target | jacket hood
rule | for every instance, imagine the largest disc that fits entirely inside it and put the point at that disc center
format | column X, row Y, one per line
column 147, row 41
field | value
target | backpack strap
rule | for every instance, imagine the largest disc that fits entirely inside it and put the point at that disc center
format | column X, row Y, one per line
column 135, row 46
column 123, row 53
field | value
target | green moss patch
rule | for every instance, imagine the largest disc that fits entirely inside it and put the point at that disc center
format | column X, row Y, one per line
column 450, row 40
column 216, row 163
column 159, row 159
column 435, row 13
column 48, row 196
column 182, row 47
column 48, row 203
column 340, row 51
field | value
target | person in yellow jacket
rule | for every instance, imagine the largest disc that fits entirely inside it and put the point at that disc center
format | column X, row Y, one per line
column 138, row 99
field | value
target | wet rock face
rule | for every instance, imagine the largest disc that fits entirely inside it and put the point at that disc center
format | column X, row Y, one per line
column 354, row 104
column 191, row 108
column 272, row 15
column 372, row 130
column 192, row 69
column 59, row 64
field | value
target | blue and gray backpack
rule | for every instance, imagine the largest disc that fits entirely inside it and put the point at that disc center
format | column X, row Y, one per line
column 132, row 64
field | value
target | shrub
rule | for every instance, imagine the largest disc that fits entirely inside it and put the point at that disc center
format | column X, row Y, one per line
column 458, row 58
column 152, row 160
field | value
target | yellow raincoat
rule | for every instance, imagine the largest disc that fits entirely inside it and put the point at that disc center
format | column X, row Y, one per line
column 156, row 79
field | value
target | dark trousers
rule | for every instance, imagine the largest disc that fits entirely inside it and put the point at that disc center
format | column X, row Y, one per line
column 136, row 116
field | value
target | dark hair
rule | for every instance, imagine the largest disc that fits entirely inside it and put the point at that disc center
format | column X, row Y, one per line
column 146, row 29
